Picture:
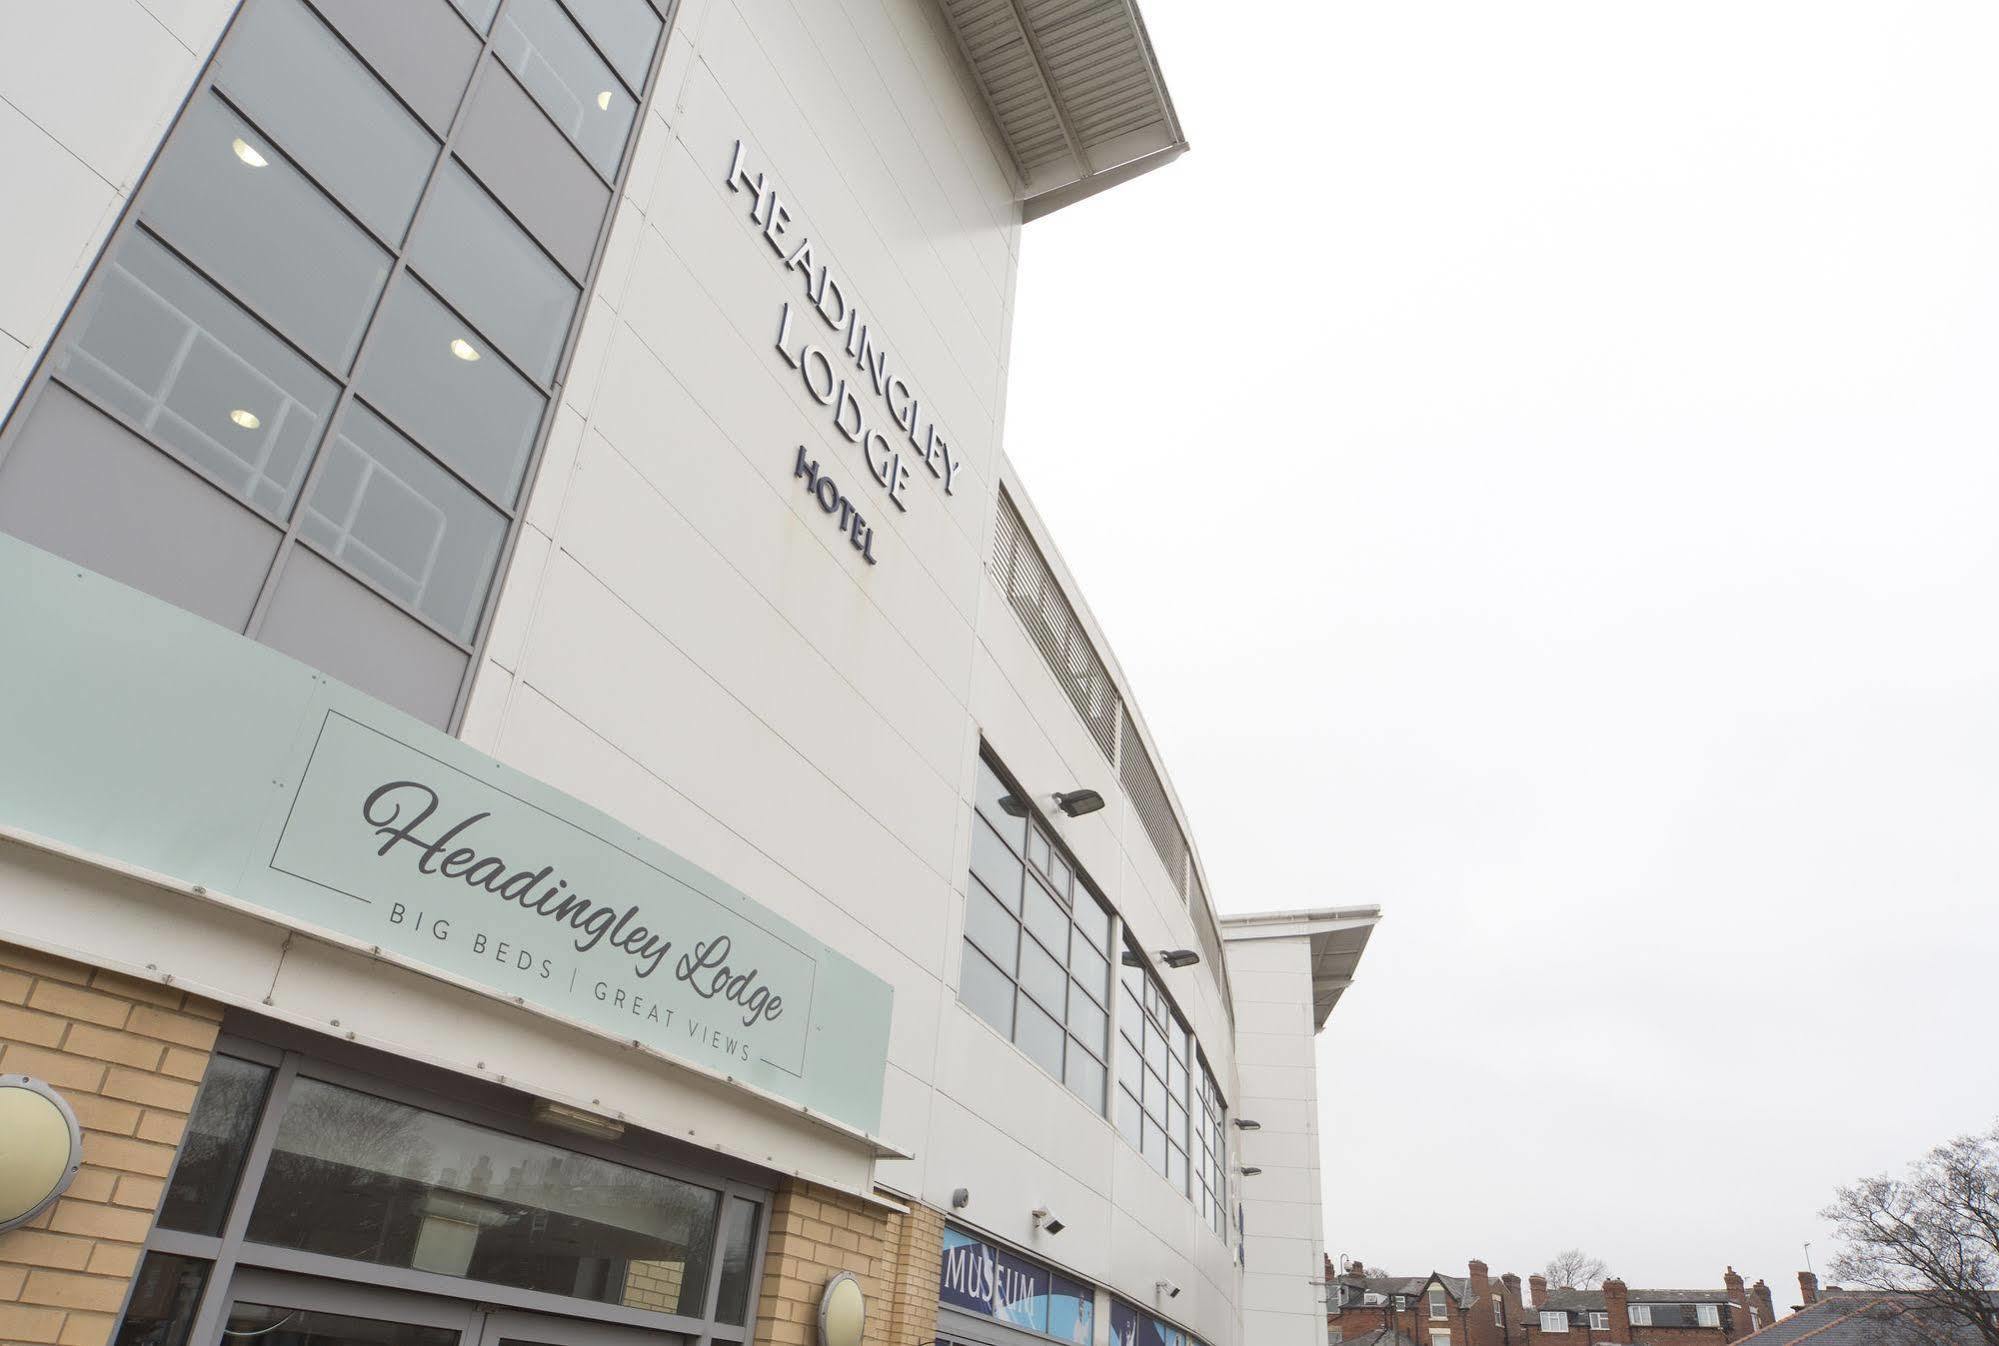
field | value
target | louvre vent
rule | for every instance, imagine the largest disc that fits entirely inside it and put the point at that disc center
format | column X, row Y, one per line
column 1031, row 588
column 1148, row 796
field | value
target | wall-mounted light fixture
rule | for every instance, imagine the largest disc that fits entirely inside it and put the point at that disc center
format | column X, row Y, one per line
column 1076, row 803
column 1248, row 1171
column 1046, row 1222
column 1245, row 1124
column 1179, row 957
column 843, row 1312
column 578, row 1120
column 43, row 1150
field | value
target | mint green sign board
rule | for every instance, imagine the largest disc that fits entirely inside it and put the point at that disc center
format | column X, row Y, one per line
column 141, row 732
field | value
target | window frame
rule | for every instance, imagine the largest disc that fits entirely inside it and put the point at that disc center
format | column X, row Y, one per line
column 292, row 1054
column 206, row 87
column 1599, row 1320
column 1639, row 1314
column 1548, row 1318
column 1440, row 1311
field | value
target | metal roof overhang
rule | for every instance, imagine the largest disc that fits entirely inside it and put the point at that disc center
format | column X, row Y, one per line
column 1338, row 936
column 1074, row 89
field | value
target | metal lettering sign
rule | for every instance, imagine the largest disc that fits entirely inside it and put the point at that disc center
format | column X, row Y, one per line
column 145, row 734
column 979, row 1278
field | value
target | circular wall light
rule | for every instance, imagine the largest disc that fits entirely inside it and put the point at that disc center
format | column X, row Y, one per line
column 41, row 1148
column 843, row 1312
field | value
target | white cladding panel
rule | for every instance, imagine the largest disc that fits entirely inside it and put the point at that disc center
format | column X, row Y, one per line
column 87, row 88
column 1284, row 1239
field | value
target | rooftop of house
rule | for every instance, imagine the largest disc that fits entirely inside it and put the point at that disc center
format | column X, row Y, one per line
column 1592, row 1300
column 1868, row 1318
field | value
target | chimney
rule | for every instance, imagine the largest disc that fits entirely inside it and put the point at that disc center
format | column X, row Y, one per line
column 1617, row 1305
column 1537, row 1285
column 1732, row 1284
column 1808, row 1288
column 1759, row 1296
column 1478, row 1305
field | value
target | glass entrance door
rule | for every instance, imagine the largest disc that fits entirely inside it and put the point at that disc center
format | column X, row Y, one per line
column 274, row 1309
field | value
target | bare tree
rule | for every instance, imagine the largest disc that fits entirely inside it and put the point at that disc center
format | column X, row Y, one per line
column 1932, row 1235
column 1574, row 1269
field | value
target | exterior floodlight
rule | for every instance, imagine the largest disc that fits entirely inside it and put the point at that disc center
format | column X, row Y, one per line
column 1076, row 803
column 1179, row 957
column 1249, row 1172
column 1245, row 1124
column 43, row 1150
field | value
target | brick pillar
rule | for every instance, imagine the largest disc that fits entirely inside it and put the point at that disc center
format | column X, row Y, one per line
column 1537, row 1285
column 1516, row 1315
column 1738, row 1302
column 1759, row 1296
column 127, row 1056
column 816, row 1232
column 1808, row 1288
column 1480, row 1328
column 1617, row 1306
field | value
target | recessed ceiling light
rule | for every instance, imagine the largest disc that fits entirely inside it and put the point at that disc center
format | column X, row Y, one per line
column 604, row 100
column 464, row 349
column 249, row 420
column 248, row 153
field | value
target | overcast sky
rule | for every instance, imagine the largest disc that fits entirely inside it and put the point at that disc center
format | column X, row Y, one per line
column 1536, row 465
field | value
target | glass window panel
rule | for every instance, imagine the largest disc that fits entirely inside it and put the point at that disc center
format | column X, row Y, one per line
column 1155, row 1097
column 1129, row 1072
column 383, row 509
column 999, row 806
column 1092, row 973
column 1037, row 850
column 990, row 926
column 1058, row 873
column 224, row 197
column 1154, row 1146
column 204, row 380
column 1085, row 1077
column 331, row 115
column 478, row 13
column 624, row 30
column 570, row 81
column 431, row 374
column 1039, row 1036
column 1155, row 1047
column 987, row 990
column 279, row 1325
column 1177, row 1039
column 356, row 1176
column 1048, row 920
column 1176, row 1120
column 1042, row 977
column 488, row 268
column 1128, row 1117
column 732, row 1298
column 212, row 1151
column 1130, row 977
column 1176, row 1166
column 1131, row 1019
column 1176, row 1077
column 1087, row 1022
column 995, row 865
column 1093, row 921
column 164, row 1297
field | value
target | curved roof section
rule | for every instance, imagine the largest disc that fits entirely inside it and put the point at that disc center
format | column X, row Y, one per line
column 1075, row 90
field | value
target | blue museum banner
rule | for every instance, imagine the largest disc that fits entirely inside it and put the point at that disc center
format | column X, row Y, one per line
column 979, row 1278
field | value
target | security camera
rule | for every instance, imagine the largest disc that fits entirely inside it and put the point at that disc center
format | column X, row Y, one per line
column 1167, row 1288
column 1046, row 1222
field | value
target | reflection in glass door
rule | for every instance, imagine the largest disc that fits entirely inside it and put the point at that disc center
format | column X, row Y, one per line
column 273, row 1309
column 277, row 1325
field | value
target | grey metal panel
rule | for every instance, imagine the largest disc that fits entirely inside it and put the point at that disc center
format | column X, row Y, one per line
column 80, row 485
column 513, row 148
column 421, row 47
column 321, row 617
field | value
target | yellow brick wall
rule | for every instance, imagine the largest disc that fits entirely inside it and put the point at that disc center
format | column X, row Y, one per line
column 128, row 1056
column 816, row 1233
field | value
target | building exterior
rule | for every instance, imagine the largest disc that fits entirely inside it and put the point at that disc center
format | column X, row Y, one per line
column 1477, row 1310
column 554, row 786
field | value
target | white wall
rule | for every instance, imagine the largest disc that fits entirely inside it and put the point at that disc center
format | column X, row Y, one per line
column 688, row 643
column 1284, row 1239
column 87, row 89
